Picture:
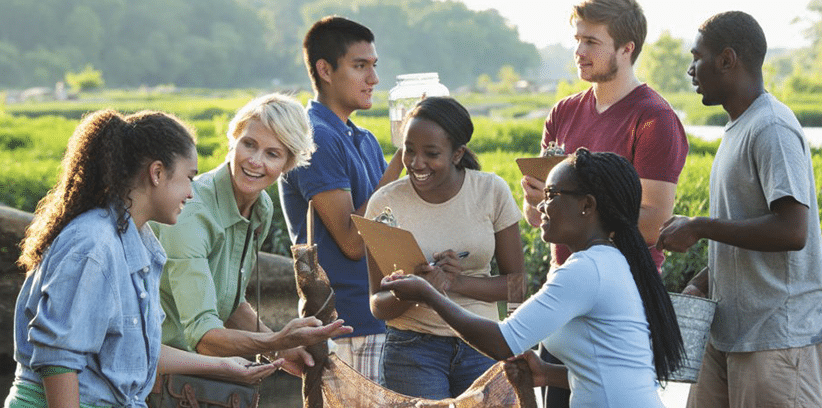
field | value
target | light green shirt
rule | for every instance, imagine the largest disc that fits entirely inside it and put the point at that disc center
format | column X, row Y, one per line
column 199, row 284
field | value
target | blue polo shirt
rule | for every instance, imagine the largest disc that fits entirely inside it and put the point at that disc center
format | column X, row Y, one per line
column 348, row 158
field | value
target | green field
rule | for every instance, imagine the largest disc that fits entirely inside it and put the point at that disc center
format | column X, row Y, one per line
column 33, row 138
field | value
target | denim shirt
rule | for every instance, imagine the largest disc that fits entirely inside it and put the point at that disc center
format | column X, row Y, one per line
column 92, row 305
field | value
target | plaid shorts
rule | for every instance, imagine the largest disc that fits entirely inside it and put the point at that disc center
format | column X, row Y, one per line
column 363, row 354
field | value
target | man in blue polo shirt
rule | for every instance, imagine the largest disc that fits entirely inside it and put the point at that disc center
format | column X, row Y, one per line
column 346, row 169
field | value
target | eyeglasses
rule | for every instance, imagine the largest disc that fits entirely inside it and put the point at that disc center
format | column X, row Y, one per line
column 551, row 192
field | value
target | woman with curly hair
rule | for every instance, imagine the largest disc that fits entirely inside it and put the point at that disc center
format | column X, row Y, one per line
column 87, row 320
column 604, row 312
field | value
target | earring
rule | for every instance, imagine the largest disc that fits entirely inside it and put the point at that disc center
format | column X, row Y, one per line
column 583, row 212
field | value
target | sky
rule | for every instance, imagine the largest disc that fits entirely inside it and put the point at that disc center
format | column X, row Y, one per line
column 545, row 22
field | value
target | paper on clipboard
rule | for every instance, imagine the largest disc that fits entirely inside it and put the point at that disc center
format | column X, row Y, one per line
column 391, row 247
column 538, row 167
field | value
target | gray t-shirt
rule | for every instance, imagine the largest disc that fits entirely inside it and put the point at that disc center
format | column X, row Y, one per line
column 767, row 300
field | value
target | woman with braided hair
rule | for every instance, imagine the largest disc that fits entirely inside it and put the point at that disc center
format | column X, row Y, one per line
column 604, row 312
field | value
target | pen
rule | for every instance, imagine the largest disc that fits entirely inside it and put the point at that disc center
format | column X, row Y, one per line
column 461, row 255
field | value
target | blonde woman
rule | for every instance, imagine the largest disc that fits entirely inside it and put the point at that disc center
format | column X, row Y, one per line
column 213, row 248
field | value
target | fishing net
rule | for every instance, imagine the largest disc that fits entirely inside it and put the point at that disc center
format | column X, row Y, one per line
column 333, row 384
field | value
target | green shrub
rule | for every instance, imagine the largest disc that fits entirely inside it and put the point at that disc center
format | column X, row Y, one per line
column 86, row 80
column 697, row 146
column 809, row 116
column 691, row 201
column 33, row 139
column 14, row 141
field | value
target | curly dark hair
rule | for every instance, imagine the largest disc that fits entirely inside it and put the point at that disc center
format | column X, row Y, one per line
column 104, row 155
column 615, row 185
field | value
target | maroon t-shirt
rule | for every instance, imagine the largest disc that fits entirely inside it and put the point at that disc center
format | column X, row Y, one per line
column 641, row 127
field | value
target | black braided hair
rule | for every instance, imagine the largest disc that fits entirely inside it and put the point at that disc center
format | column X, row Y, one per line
column 612, row 180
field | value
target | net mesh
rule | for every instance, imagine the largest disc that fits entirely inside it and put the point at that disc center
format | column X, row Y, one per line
column 331, row 383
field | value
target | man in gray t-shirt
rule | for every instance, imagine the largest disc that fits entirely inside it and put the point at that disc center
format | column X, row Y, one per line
column 765, row 250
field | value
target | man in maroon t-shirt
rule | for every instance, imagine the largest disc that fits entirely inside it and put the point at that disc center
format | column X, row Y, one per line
column 617, row 114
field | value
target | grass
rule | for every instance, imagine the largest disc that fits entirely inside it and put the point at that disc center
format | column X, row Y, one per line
column 33, row 139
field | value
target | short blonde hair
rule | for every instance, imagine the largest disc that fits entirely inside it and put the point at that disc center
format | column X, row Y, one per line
column 285, row 118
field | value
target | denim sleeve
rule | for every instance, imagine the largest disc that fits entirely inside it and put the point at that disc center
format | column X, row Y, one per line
column 72, row 313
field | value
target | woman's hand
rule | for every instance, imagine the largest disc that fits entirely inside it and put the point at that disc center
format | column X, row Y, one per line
column 535, row 364
column 238, row 369
column 444, row 271
column 305, row 331
column 543, row 373
column 295, row 360
column 408, row 287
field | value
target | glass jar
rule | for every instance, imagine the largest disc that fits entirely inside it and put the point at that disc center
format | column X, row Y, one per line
column 404, row 96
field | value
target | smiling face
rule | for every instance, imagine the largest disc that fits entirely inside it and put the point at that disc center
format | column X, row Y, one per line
column 595, row 55
column 704, row 73
column 174, row 188
column 349, row 87
column 257, row 160
column 561, row 207
column 431, row 161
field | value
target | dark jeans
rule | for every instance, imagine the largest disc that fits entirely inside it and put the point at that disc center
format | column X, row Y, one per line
column 428, row 366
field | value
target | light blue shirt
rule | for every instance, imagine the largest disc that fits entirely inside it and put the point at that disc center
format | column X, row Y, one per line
column 590, row 315
column 92, row 305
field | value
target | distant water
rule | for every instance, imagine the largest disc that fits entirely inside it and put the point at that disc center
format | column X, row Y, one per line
column 814, row 134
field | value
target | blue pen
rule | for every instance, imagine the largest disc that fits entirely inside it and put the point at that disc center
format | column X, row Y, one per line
column 461, row 255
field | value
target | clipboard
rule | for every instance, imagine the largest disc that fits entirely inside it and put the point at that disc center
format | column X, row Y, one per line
column 392, row 248
column 538, row 167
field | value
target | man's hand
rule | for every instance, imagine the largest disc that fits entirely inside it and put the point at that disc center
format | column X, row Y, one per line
column 533, row 194
column 678, row 234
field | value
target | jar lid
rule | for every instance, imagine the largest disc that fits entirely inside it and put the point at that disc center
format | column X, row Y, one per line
column 420, row 76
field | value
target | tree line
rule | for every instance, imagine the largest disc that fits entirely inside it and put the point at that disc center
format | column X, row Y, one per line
column 242, row 43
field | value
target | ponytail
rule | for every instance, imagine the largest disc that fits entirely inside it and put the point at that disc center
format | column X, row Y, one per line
column 103, row 157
